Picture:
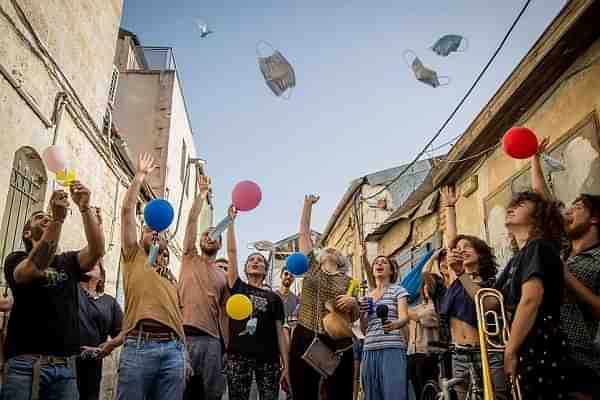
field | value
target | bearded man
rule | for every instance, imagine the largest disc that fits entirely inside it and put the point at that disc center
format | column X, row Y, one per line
column 203, row 293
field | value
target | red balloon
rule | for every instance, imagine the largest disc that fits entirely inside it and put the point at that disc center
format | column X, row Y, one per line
column 246, row 196
column 520, row 142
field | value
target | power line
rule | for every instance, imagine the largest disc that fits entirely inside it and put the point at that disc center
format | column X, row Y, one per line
column 460, row 103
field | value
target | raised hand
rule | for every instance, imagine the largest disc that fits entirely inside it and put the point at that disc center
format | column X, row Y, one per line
column 80, row 195
column 542, row 146
column 311, row 198
column 449, row 197
column 145, row 164
column 59, row 205
column 232, row 212
column 455, row 261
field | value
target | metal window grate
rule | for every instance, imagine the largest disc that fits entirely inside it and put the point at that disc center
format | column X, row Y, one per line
column 24, row 187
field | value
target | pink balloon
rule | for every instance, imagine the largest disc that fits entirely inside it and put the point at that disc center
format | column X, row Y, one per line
column 54, row 158
column 246, row 196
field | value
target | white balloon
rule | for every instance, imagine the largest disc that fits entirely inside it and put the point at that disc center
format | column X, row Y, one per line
column 54, row 158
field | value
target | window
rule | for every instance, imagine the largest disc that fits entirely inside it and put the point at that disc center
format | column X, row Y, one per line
column 26, row 190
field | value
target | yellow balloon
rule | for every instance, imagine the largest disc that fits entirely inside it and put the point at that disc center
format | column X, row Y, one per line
column 239, row 307
column 66, row 177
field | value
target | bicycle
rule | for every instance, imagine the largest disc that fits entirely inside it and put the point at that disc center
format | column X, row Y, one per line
column 443, row 389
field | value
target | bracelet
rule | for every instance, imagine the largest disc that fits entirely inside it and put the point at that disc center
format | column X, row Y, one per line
column 450, row 206
column 84, row 210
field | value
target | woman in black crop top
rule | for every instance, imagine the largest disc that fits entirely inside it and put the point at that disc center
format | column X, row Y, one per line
column 532, row 284
column 473, row 265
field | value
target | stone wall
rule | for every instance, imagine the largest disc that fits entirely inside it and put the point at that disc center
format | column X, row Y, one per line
column 47, row 48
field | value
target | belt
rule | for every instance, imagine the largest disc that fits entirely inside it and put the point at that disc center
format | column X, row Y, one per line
column 193, row 331
column 152, row 336
column 43, row 360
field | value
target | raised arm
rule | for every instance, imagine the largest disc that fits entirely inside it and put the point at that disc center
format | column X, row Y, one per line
column 43, row 252
column 129, row 238
column 538, row 183
column 94, row 235
column 366, row 266
column 306, row 244
column 191, row 229
column 232, row 271
column 455, row 262
column 449, row 199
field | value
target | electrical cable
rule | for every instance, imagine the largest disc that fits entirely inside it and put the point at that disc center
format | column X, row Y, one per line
column 460, row 104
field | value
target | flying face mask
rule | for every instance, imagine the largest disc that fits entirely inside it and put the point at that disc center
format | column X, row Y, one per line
column 448, row 44
column 424, row 74
column 277, row 72
column 250, row 327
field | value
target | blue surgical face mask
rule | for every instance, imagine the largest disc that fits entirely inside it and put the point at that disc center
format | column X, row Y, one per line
column 153, row 254
column 448, row 44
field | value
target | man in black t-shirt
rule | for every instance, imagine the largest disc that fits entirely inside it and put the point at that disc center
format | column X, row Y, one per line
column 43, row 330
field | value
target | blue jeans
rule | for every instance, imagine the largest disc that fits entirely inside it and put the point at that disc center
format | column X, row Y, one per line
column 384, row 374
column 57, row 382
column 151, row 370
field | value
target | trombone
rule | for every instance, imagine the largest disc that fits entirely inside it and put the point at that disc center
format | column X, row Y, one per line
column 494, row 332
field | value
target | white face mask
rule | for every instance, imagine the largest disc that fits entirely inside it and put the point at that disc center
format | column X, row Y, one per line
column 421, row 72
column 426, row 75
column 278, row 72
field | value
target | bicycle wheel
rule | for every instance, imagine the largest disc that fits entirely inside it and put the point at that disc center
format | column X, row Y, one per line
column 473, row 396
column 431, row 391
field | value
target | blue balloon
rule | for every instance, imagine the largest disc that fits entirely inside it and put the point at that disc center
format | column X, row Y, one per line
column 158, row 214
column 297, row 263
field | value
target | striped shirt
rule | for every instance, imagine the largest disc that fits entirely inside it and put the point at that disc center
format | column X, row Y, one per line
column 376, row 338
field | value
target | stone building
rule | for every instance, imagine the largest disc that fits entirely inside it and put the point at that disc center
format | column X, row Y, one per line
column 277, row 254
column 151, row 115
column 367, row 203
column 56, row 66
column 555, row 91
column 59, row 85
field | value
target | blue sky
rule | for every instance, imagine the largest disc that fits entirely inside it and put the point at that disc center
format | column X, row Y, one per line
column 356, row 108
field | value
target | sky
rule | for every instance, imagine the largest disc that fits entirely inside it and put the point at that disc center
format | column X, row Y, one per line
column 356, row 107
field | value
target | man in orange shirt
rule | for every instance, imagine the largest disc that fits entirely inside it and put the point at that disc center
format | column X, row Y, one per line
column 152, row 362
column 203, row 292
